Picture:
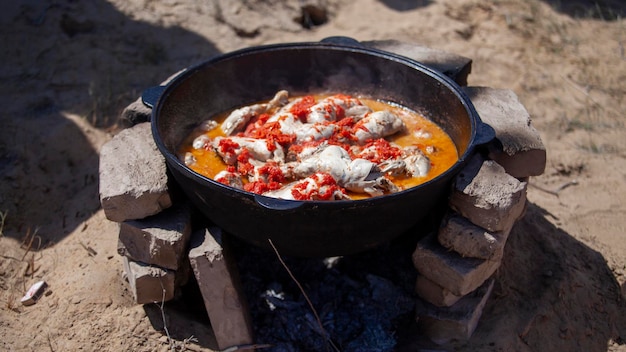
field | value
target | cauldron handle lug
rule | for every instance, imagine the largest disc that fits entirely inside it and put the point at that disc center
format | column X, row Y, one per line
column 484, row 134
column 277, row 204
column 341, row 40
column 150, row 96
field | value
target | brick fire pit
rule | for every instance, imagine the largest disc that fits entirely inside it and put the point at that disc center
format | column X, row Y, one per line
column 162, row 245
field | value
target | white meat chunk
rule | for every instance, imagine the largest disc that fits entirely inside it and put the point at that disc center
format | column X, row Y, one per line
column 239, row 118
column 201, row 142
column 189, row 159
column 309, row 188
column 357, row 112
column 232, row 179
column 354, row 175
column 257, row 147
column 376, row 125
column 412, row 163
column 417, row 163
column 328, row 109
column 309, row 132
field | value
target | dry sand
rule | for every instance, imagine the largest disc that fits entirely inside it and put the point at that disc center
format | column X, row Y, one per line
column 69, row 68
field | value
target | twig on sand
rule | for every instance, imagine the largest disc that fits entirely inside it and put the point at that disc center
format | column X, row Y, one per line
column 30, row 243
column 92, row 252
column 557, row 190
column 167, row 332
column 317, row 317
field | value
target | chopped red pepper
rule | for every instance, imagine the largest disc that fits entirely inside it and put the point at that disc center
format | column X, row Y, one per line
column 382, row 150
column 302, row 108
column 324, row 188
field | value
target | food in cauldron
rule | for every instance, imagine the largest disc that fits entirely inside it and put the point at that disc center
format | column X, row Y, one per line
column 319, row 147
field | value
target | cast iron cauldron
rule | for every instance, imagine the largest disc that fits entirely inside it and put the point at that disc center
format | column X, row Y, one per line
column 311, row 228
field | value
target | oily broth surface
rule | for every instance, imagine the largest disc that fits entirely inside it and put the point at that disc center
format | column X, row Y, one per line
column 209, row 164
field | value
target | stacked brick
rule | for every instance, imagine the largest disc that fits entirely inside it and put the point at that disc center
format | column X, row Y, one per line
column 157, row 240
column 153, row 232
column 456, row 265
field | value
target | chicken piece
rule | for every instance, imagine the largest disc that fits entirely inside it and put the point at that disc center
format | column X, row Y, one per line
column 239, row 118
column 201, row 142
column 378, row 124
column 354, row 175
column 333, row 160
column 309, row 132
column 412, row 163
column 208, row 125
column 375, row 184
column 417, row 163
column 229, row 178
column 319, row 186
column 334, row 108
column 304, row 132
column 229, row 148
column 357, row 112
column 189, row 159
column 289, row 124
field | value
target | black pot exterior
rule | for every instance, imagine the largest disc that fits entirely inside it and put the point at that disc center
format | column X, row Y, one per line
column 311, row 228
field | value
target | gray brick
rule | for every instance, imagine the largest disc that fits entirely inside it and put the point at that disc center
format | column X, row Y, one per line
column 448, row 269
column 161, row 239
column 133, row 176
column 460, row 235
column 149, row 284
column 452, row 65
column 487, row 196
column 519, row 148
column 457, row 322
column 433, row 293
column 218, row 278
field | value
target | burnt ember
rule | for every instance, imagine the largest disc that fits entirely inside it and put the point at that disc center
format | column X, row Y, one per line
column 362, row 300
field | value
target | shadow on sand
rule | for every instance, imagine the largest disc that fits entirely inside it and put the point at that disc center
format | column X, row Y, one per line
column 606, row 10
column 67, row 65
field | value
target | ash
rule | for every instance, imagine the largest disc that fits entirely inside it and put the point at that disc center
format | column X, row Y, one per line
column 362, row 300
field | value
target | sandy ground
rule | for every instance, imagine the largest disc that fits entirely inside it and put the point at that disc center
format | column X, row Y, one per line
column 69, row 68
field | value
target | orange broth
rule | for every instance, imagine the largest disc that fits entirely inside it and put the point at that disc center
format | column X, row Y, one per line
column 209, row 164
